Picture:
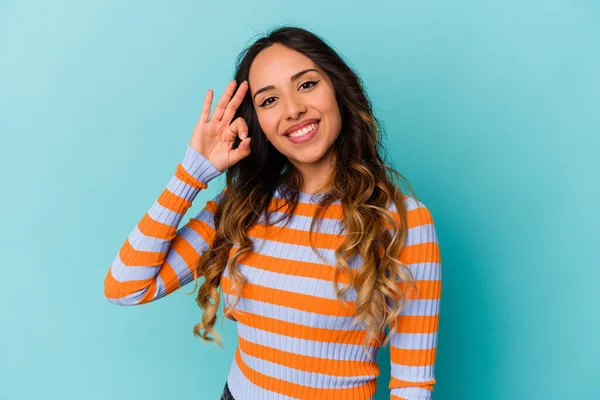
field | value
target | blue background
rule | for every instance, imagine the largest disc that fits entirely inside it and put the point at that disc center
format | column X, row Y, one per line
column 491, row 110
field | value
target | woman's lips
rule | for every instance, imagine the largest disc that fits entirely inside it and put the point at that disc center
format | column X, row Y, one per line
column 305, row 138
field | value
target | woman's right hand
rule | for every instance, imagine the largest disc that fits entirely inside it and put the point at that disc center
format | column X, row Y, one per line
column 214, row 137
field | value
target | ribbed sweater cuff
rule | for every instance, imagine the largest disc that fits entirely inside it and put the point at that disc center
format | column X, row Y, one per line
column 199, row 166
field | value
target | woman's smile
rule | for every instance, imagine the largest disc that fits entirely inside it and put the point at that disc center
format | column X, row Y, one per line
column 304, row 134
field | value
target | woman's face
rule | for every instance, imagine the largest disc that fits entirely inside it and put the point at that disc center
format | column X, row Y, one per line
column 284, row 96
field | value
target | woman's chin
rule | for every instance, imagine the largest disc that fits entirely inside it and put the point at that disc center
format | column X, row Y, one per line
column 307, row 157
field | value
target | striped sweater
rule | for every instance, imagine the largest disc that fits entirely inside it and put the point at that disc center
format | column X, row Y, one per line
column 295, row 339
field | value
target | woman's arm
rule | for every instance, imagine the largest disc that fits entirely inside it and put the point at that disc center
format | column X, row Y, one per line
column 413, row 345
column 156, row 258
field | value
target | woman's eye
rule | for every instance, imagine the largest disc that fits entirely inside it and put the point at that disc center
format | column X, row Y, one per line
column 267, row 102
column 305, row 83
column 264, row 103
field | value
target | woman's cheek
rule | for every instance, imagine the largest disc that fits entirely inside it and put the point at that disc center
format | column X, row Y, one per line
column 270, row 128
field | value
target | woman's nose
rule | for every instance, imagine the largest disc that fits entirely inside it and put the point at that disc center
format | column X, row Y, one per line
column 294, row 108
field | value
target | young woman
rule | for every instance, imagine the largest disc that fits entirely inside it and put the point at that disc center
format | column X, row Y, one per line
column 309, row 204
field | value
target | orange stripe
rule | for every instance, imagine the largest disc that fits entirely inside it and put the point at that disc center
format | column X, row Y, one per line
column 415, row 217
column 114, row 289
column 186, row 251
column 155, row 229
column 397, row 383
column 304, row 392
column 297, row 301
column 173, row 202
column 334, row 211
column 203, row 229
column 211, row 206
column 288, row 235
column 416, row 323
column 149, row 295
column 413, row 358
column 420, row 253
column 308, row 363
column 428, row 289
column 295, row 236
column 169, row 278
column 132, row 257
column 185, row 176
column 418, row 216
column 292, row 267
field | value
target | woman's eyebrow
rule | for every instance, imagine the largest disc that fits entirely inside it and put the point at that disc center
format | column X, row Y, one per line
column 292, row 79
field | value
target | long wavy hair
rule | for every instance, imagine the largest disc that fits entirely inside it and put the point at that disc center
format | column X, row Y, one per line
column 361, row 180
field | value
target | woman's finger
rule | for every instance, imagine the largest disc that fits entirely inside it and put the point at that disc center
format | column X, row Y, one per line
column 220, row 108
column 206, row 107
column 233, row 105
column 238, row 128
column 240, row 152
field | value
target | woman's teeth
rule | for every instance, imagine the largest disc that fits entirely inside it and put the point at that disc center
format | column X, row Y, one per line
column 303, row 131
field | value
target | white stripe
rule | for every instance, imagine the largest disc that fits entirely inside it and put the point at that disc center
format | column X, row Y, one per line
column 411, row 373
column 411, row 393
column 414, row 341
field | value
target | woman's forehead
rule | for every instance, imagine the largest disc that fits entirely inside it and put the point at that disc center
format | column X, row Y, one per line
column 277, row 63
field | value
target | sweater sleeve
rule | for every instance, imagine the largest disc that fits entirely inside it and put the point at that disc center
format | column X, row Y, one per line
column 413, row 345
column 157, row 258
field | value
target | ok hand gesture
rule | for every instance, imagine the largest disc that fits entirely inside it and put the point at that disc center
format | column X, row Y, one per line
column 214, row 137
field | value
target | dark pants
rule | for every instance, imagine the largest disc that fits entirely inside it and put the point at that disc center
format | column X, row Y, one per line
column 226, row 394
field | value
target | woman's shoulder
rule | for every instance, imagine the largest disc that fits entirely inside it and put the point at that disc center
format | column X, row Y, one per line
column 417, row 213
